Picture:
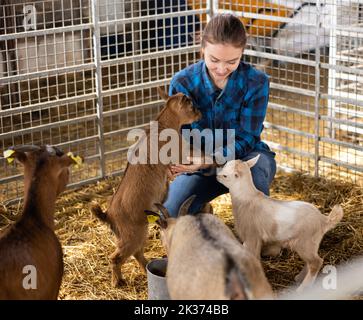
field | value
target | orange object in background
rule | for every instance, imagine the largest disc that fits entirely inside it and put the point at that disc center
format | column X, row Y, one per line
column 255, row 27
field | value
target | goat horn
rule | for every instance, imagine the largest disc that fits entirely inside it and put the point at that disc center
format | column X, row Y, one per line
column 184, row 208
column 25, row 148
column 163, row 210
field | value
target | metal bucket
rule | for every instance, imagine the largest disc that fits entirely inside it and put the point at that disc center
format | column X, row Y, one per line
column 156, row 279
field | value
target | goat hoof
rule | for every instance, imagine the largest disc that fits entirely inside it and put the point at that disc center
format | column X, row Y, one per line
column 118, row 283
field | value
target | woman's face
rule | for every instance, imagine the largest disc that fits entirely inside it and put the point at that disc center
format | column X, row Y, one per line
column 221, row 60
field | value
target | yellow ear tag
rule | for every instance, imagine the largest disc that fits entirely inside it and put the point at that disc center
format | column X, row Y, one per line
column 151, row 218
column 77, row 159
column 8, row 155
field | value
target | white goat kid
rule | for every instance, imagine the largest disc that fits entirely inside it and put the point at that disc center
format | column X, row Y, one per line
column 260, row 220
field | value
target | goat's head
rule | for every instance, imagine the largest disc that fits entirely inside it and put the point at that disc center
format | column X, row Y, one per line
column 166, row 222
column 45, row 161
column 182, row 106
column 234, row 170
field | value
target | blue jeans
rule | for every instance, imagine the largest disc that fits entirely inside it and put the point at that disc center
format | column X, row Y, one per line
column 206, row 188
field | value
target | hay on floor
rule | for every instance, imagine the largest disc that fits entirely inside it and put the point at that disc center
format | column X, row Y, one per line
column 87, row 243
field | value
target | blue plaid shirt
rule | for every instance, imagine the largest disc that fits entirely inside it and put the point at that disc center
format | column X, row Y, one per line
column 241, row 105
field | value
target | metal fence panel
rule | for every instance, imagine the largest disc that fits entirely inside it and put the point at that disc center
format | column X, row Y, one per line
column 81, row 73
column 312, row 51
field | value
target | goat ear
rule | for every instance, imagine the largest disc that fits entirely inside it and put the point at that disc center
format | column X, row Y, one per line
column 184, row 208
column 163, row 94
column 252, row 161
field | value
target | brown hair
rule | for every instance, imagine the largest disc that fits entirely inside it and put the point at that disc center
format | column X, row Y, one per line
column 225, row 29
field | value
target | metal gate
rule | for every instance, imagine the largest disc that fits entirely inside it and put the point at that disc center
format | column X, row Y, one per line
column 81, row 73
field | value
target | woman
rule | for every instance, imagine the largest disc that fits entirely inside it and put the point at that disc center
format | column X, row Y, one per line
column 231, row 95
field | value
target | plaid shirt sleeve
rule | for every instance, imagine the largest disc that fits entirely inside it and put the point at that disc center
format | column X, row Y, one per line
column 252, row 115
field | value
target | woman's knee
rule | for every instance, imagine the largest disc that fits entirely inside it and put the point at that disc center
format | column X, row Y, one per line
column 267, row 165
column 263, row 172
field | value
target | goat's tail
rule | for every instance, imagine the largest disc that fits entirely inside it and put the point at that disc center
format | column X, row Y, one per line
column 334, row 217
column 101, row 215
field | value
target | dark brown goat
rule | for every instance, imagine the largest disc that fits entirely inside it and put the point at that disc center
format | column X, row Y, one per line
column 31, row 244
column 142, row 186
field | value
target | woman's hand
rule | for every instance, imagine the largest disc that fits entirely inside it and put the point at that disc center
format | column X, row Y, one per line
column 197, row 163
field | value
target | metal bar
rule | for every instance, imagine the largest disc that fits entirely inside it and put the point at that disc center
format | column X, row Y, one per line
column 11, row 178
column 346, row 30
column 291, row 21
column 348, row 2
column 345, row 58
column 349, row 77
column 152, row 17
column 12, row 201
column 279, row 57
column 212, row 6
column 280, row 147
column 269, row 125
column 119, row 150
column 344, row 98
column 332, row 66
column 46, row 126
column 305, row 92
column 48, row 31
column 259, row 16
column 342, row 143
column 98, row 80
column 151, row 55
column 48, row 104
column 280, row 107
column 133, row 108
column 49, row 72
column 137, row 87
column 317, row 87
column 343, row 121
column 115, row 132
column 84, row 182
column 352, row 85
column 116, row 173
column 286, row 169
column 347, row 95
column 70, row 186
column 342, row 164
column 77, row 141
column 348, row 112
column 95, row 156
column 21, row 176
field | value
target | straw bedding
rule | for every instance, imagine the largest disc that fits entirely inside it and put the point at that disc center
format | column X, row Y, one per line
column 87, row 243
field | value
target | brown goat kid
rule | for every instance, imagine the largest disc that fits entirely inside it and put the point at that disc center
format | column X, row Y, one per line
column 141, row 186
column 30, row 243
